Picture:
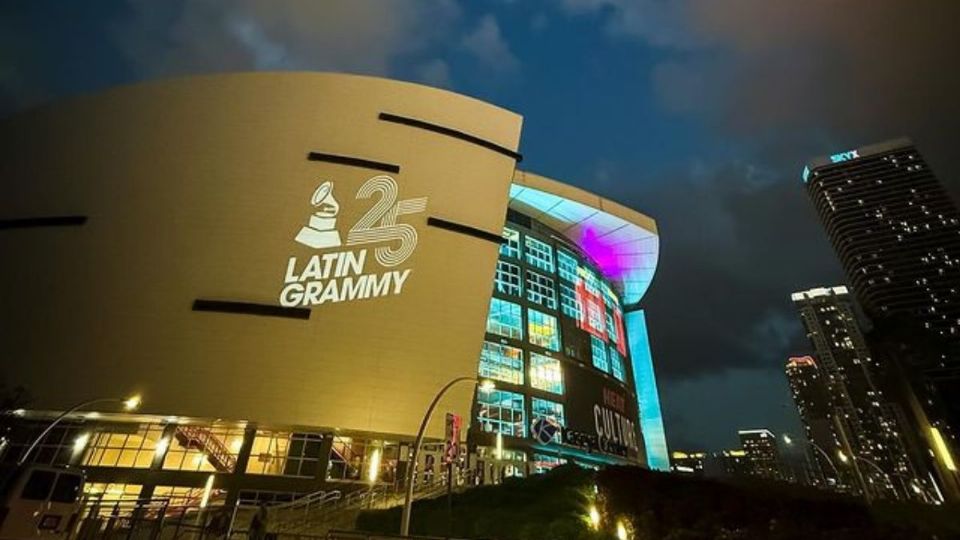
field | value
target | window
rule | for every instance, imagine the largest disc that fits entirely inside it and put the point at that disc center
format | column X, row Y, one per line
column 350, row 458
column 501, row 362
column 285, row 453
column 569, row 305
column 204, row 448
column 185, row 497
column 67, row 488
column 540, row 290
column 113, row 499
column 539, row 254
column 616, row 365
column 508, row 278
column 57, row 447
column 505, row 319
column 611, row 326
column 133, row 445
column 599, row 351
column 566, row 266
column 543, row 408
column 545, row 373
column 38, row 486
column 501, row 412
column 543, row 330
column 511, row 246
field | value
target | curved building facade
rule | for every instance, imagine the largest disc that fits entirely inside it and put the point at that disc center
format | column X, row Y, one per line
column 288, row 267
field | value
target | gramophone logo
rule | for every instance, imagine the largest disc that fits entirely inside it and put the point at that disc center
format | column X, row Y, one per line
column 338, row 276
column 321, row 232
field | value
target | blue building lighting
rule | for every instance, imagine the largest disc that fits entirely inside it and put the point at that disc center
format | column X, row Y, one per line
column 648, row 398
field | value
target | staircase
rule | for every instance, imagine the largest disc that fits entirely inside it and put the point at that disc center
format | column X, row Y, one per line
column 202, row 439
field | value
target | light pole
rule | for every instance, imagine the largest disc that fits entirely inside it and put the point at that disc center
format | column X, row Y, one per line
column 129, row 404
column 789, row 442
column 486, row 386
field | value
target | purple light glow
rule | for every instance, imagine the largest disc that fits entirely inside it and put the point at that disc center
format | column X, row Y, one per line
column 602, row 253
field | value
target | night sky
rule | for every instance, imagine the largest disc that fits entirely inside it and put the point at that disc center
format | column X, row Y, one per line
column 700, row 114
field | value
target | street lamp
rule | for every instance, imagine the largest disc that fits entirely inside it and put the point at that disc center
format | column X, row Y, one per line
column 789, row 441
column 129, row 404
column 484, row 386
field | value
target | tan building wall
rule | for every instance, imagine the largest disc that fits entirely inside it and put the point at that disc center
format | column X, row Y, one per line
column 195, row 188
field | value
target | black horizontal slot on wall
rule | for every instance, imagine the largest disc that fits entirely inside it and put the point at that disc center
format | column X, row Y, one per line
column 249, row 308
column 464, row 229
column 353, row 162
column 450, row 132
column 51, row 221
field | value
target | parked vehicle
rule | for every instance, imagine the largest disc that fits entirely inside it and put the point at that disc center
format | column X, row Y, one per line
column 39, row 501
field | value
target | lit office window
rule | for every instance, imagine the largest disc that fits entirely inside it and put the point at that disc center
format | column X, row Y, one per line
column 545, row 373
column 285, row 453
column 540, row 290
column 505, row 319
column 501, row 362
column 508, row 278
column 350, row 459
column 569, row 305
column 511, row 246
column 132, row 447
column 599, row 352
column 543, row 408
column 543, row 329
column 114, row 499
column 616, row 365
column 539, row 254
column 180, row 496
column 566, row 266
column 501, row 412
column 204, row 448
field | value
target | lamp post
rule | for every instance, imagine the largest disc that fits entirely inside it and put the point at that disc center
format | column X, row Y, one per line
column 415, row 449
column 789, row 442
column 129, row 404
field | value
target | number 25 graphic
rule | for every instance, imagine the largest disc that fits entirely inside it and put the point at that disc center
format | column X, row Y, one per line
column 379, row 224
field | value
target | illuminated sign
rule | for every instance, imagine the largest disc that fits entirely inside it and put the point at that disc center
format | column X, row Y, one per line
column 844, row 156
column 344, row 275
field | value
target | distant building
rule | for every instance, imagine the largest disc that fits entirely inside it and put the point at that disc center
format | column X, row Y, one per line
column 896, row 231
column 762, row 453
column 731, row 463
column 812, row 399
column 864, row 423
column 688, row 462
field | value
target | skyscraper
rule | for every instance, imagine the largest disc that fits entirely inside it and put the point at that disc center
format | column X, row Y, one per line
column 868, row 434
column 763, row 456
column 813, row 405
column 896, row 231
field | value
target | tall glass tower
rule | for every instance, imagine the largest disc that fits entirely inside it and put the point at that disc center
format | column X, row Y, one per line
column 896, row 231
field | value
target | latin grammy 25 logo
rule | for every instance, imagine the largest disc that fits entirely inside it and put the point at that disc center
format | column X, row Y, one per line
column 341, row 275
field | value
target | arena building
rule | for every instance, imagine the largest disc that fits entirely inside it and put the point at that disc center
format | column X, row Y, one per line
column 287, row 267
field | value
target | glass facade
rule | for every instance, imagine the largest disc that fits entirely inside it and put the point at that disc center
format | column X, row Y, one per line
column 548, row 296
column 502, row 363
column 539, row 254
column 285, row 453
column 508, row 278
column 505, row 319
column 545, row 373
column 134, row 449
column 502, row 412
column 544, row 330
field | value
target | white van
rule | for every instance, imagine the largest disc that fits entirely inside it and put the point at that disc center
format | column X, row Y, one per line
column 39, row 501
